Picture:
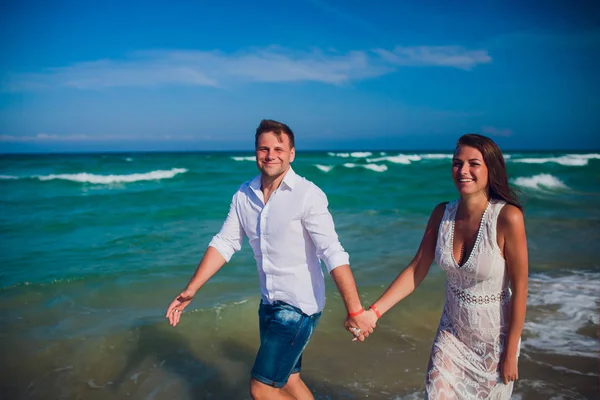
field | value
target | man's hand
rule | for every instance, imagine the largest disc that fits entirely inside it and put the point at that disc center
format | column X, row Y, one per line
column 176, row 307
column 361, row 326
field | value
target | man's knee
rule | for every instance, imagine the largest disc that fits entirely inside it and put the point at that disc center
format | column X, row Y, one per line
column 259, row 390
column 294, row 380
column 297, row 388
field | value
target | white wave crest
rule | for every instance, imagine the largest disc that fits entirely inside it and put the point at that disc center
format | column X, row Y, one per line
column 399, row 159
column 84, row 177
column 249, row 158
column 324, row 168
column 361, row 154
column 572, row 301
column 571, row 160
column 343, row 155
column 541, row 181
column 372, row 167
column 8, row 177
column 436, row 156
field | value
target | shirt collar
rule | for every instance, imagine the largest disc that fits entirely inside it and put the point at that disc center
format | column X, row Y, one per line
column 289, row 180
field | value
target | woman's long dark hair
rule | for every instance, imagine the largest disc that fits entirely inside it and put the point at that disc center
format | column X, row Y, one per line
column 494, row 160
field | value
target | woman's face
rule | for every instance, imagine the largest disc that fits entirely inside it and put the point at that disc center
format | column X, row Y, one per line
column 469, row 172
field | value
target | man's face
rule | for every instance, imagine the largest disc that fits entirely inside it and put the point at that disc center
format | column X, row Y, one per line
column 273, row 157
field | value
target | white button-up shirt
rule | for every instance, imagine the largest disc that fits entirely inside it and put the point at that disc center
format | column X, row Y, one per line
column 289, row 236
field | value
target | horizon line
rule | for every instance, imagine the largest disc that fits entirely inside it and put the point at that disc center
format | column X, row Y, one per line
column 415, row 150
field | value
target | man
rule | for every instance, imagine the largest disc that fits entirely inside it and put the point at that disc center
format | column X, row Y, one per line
column 290, row 229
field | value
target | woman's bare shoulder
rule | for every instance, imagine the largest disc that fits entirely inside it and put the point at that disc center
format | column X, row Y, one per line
column 510, row 217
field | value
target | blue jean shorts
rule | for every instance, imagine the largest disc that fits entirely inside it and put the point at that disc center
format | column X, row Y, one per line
column 284, row 333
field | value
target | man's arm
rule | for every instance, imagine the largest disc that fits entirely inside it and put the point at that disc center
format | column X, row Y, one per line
column 344, row 280
column 211, row 262
column 219, row 251
column 319, row 224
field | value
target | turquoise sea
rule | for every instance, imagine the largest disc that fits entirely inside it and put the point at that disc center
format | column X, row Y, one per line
column 93, row 248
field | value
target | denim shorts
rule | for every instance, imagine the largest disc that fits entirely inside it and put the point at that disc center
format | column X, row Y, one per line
column 284, row 333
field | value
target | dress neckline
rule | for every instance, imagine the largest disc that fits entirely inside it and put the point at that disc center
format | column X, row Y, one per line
column 477, row 240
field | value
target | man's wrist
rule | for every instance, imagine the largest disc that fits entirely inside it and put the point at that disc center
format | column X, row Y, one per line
column 189, row 293
column 356, row 313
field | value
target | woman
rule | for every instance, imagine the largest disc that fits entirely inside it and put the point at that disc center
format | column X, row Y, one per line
column 479, row 240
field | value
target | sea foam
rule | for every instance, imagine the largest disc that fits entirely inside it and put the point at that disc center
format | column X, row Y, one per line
column 343, row 155
column 84, row 177
column 399, row 159
column 356, row 154
column 571, row 160
column 249, row 158
column 574, row 300
column 324, row 168
column 541, row 181
column 372, row 167
column 436, row 156
column 361, row 154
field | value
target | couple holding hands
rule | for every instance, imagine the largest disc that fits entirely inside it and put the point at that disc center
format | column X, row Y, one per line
column 478, row 239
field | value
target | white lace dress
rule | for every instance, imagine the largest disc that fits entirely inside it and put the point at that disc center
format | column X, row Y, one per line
column 473, row 327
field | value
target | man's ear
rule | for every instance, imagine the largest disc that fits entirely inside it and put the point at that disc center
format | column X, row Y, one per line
column 292, row 154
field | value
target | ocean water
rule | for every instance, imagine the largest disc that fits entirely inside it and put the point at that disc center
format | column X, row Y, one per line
column 94, row 247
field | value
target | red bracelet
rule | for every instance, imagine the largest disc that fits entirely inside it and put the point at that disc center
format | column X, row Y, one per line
column 372, row 307
column 356, row 313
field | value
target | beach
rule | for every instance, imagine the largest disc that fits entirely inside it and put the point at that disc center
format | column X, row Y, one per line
column 94, row 247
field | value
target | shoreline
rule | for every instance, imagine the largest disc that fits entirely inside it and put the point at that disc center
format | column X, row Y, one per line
column 210, row 354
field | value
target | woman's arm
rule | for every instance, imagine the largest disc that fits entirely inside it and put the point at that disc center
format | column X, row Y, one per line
column 511, row 226
column 412, row 276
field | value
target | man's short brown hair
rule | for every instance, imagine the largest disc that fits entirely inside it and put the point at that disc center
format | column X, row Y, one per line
column 278, row 128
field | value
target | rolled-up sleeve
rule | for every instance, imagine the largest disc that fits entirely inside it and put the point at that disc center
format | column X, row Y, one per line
column 230, row 237
column 319, row 224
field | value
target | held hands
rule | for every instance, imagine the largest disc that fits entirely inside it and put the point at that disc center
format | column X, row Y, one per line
column 176, row 307
column 361, row 325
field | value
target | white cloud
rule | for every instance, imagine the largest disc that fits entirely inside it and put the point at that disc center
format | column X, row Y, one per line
column 441, row 56
column 278, row 65
column 215, row 68
column 137, row 71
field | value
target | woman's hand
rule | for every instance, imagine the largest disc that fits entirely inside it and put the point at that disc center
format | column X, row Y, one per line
column 509, row 370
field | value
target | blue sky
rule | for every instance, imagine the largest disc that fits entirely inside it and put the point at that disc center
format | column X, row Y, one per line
column 344, row 74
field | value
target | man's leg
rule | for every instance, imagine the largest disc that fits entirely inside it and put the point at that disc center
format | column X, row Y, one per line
column 260, row 391
column 285, row 331
column 297, row 388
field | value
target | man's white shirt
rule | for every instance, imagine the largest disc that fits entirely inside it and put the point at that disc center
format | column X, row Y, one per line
column 289, row 236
